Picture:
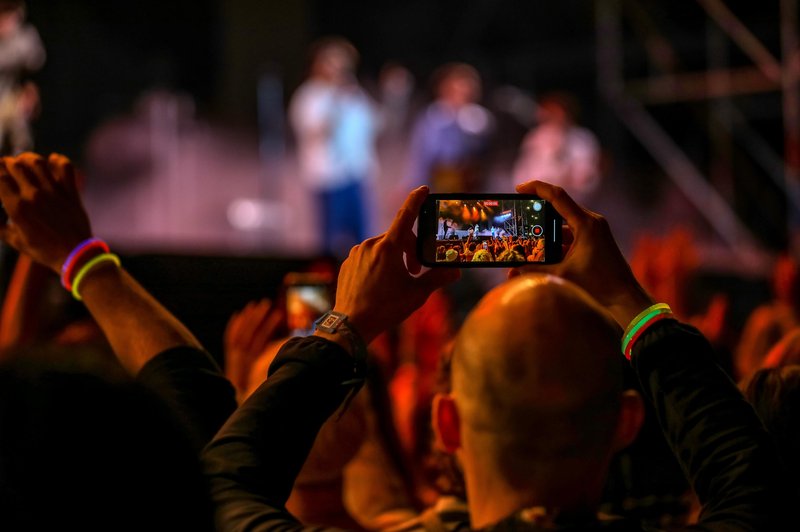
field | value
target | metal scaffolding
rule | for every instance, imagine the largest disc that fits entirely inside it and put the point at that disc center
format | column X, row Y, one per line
column 718, row 83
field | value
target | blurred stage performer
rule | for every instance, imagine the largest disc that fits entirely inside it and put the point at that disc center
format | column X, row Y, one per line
column 451, row 139
column 558, row 151
column 21, row 54
column 335, row 126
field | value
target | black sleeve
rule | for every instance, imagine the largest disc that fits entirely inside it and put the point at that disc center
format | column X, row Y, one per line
column 253, row 462
column 192, row 385
column 714, row 433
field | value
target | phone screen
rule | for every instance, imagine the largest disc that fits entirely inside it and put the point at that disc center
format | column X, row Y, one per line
column 484, row 230
column 305, row 303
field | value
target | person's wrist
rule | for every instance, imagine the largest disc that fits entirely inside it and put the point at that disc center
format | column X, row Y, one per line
column 628, row 304
column 99, row 280
column 337, row 327
column 72, row 258
column 337, row 339
column 359, row 324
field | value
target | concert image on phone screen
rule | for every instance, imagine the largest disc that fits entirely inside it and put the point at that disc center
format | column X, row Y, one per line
column 475, row 231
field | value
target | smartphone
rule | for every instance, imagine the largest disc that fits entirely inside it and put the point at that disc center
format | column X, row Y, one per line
column 487, row 231
column 308, row 297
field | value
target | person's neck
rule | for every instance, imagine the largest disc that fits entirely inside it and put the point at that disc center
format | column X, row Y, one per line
column 493, row 498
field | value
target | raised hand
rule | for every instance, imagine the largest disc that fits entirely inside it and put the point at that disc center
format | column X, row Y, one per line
column 377, row 288
column 593, row 260
column 247, row 335
column 46, row 218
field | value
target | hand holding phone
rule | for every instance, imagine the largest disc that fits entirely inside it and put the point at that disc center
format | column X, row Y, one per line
column 487, row 231
column 594, row 261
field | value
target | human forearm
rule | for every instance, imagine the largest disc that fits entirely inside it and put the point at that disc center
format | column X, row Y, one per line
column 47, row 222
column 628, row 303
column 254, row 459
column 136, row 325
column 715, row 435
column 190, row 382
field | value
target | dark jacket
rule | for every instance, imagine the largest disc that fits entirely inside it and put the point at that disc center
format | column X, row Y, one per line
column 714, row 433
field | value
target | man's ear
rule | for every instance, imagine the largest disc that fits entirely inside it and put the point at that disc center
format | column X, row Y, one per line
column 630, row 420
column 446, row 423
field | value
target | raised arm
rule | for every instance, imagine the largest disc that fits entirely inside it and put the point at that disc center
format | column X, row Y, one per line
column 715, row 435
column 47, row 222
column 253, row 461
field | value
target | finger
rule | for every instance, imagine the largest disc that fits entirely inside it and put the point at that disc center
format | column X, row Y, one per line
column 353, row 252
column 374, row 240
column 259, row 310
column 407, row 215
column 29, row 172
column 9, row 190
column 267, row 331
column 274, row 321
column 572, row 213
column 232, row 329
column 63, row 171
column 408, row 244
column 253, row 316
column 261, row 334
column 239, row 325
column 26, row 181
column 37, row 165
column 412, row 263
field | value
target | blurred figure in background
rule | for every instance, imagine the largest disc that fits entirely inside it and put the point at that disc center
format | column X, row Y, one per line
column 450, row 140
column 335, row 125
column 396, row 86
column 396, row 90
column 784, row 353
column 558, row 151
column 354, row 474
column 21, row 54
column 772, row 321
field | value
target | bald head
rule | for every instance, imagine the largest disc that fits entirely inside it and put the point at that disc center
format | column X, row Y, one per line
column 537, row 374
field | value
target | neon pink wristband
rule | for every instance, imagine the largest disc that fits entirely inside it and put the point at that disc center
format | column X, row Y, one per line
column 74, row 257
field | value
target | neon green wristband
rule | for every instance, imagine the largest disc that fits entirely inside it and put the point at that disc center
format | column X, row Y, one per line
column 641, row 320
column 643, row 314
column 89, row 266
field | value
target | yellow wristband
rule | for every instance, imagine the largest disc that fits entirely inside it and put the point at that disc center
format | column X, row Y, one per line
column 89, row 266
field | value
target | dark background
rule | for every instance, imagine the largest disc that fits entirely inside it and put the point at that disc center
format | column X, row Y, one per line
column 102, row 55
